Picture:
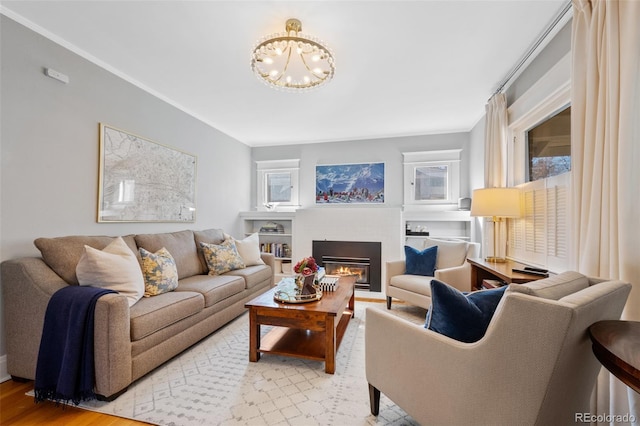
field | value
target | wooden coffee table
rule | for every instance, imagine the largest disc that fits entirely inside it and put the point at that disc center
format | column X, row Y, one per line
column 310, row 330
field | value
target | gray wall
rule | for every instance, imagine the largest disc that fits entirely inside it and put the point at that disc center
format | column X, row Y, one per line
column 476, row 168
column 557, row 48
column 387, row 150
column 49, row 147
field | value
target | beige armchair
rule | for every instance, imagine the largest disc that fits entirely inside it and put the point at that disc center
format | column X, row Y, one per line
column 451, row 267
column 534, row 365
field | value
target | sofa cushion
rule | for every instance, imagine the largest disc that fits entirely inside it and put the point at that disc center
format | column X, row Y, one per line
column 115, row 267
column 180, row 244
column 413, row 283
column 152, row 314
column 209, row 236
column 463, row 317
column 253, row 275
column 554, row 287
column 214, row 288
column 249, row 250
column 450, row 253
column 62, row 254
column 420, row 262
column 159, row 271
column 222, row 258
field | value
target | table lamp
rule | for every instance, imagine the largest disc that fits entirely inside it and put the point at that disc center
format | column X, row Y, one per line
column 497, row 203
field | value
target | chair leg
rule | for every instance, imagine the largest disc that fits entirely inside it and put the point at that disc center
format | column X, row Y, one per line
column 388, row 302
column 374, row 399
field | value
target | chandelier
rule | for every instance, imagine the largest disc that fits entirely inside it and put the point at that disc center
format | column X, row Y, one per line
column 292, row 61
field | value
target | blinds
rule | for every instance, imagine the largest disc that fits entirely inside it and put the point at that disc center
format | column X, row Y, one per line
column 557, row 222
column 541, row 235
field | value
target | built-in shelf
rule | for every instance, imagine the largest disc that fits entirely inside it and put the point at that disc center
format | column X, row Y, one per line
column 279, row 244
column 448, row 225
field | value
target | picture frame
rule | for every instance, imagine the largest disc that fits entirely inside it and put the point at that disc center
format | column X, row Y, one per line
column 144, row 181
column 358, row 183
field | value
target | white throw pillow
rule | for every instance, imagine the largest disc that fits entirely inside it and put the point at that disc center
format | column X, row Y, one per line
column 249, row 250
column 115, row 267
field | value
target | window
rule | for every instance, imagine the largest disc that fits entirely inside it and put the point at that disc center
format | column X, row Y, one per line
column 278, row 187
column 549, row 147
column 540, row 164
column 432, row 177
column 277, row 184
column 431, row 183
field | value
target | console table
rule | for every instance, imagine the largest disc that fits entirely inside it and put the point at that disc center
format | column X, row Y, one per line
column 481, row 270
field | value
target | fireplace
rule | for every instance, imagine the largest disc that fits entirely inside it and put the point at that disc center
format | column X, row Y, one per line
column 348, row 266
column 359, row 258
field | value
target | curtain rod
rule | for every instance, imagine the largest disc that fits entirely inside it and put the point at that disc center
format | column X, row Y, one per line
column 561, row 14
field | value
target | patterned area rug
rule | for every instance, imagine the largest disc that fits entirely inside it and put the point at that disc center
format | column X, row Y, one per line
column 213, row 383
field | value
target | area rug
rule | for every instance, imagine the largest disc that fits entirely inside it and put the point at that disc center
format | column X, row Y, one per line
column 213, row 383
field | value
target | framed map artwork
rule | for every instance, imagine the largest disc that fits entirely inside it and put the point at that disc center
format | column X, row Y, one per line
column 143, row 181
column 361, row 183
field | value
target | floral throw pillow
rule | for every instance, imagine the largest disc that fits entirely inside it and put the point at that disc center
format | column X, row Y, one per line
column 159, row 271
column 222, row 258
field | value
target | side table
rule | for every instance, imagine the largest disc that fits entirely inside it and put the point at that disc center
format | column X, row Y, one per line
column 616, row 344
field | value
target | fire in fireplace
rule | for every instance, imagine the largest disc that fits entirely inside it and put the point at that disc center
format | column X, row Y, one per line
column 348, row 266
column 359, row 258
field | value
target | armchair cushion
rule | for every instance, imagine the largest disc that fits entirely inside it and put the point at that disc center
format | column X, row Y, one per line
column 555, row 287
column 463, row 317
column 450, row 253
column 421, row 262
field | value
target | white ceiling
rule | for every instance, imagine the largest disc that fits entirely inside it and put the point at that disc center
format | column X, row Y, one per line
column 402, row 67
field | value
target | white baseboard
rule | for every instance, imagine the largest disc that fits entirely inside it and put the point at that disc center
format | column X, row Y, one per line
column 4, row 374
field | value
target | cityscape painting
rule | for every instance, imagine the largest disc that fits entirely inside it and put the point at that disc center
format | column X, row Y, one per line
column 350, row 183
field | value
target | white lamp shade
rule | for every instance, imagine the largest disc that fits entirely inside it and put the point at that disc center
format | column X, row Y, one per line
column 496, row 202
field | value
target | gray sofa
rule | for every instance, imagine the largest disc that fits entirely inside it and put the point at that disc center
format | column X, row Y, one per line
column 129, row 341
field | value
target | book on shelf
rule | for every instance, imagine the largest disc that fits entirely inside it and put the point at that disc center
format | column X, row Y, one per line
column 277, row 249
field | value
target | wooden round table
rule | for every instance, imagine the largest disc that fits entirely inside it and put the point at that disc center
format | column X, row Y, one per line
column 616, row 344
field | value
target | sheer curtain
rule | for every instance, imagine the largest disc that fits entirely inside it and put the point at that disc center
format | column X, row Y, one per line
column 495, row 164
column 605, row 145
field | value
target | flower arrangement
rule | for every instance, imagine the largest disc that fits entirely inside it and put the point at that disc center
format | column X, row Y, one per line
column 306, row 266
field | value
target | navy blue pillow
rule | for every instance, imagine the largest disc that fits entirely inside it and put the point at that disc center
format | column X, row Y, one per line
column 464, row 317
column 420, row 262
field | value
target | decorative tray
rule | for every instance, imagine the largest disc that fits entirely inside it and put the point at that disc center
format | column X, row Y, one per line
column 287, row 292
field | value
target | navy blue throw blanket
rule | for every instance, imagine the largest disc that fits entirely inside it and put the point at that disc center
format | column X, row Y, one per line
column 65, row 370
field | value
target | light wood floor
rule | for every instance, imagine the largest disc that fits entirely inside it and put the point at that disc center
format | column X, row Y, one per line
column 16, row 408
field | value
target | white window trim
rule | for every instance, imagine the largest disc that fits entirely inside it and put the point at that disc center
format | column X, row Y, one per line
column 413, row 160
column 278, row 166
